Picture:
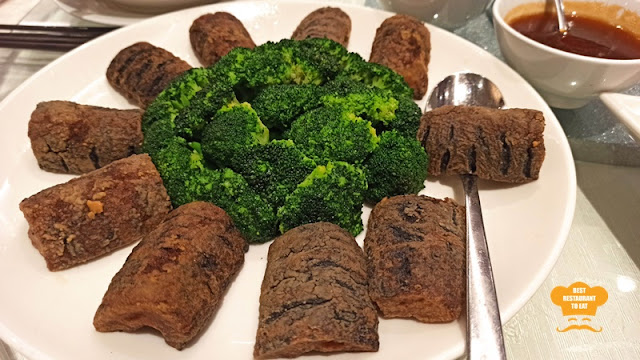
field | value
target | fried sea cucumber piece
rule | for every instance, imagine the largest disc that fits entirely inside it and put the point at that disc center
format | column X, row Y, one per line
column 176, row 277
column 403, row 44
column 501, row 145
column 141, row 71
column 214, row 35
column 314, row 295
column 415, row 250
column 96, row 213
column 327, row 22
column 75, row 139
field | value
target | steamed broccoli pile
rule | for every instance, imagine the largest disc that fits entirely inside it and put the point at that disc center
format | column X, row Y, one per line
column 289, row 133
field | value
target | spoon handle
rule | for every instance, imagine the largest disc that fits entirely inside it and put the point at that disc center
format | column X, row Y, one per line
column 562, row 21
column 484, row 329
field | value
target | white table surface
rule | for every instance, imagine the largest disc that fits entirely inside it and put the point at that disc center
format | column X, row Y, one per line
column 603, row 248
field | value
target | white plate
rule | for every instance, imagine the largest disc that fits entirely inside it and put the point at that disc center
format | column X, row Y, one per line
column 49, row 315
column 101, row 12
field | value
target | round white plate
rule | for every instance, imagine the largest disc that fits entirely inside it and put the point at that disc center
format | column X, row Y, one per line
column 49, row 315
column 105, row 12
column 100, row 12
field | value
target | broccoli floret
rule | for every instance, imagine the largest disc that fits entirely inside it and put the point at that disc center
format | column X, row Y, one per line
column 373, row 104
column 331, row 193
column 254, row 217
column 385, row 110
column 275, row 169
column 177, row 96
column 159, row 135
column 407, row 119
column 279, row 105
column 398, row 166
column 231, row 67
column 377, row 76
column 203, row 106
column 184, row 174
column 187, row 178
column 319, row 59
column 231, row 133
column 328, row 134
column 311, row 61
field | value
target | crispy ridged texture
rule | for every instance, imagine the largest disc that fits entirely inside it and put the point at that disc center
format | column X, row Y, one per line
column 96, row 213
column 175, row 279
column 75, row 139
column 403, row 44
column 141, row 71
column 500, row 145
column 314, row 295
column 327, row 22
column 214, row 35
column 415, row 249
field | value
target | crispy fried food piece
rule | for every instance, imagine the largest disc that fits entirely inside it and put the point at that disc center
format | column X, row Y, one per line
column 415, row 249
column 96, row 213
column 175, row 279
column 141, row 71
column 214, row 35
column 327, row 22
column 75, row 139
column 403, row 43
column 314, row 295
column 500, row 145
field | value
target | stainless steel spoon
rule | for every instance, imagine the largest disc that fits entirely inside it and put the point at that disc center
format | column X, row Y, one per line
column 484, row 329
column 562, row 21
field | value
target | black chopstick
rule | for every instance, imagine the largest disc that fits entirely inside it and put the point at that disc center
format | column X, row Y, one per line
column 71, row 30
column 56, row 38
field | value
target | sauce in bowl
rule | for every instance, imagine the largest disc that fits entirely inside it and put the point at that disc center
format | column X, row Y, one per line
column 586, row 36
column 596, row 29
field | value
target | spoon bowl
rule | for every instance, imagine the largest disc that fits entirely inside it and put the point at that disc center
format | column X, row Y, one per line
column 466, row 89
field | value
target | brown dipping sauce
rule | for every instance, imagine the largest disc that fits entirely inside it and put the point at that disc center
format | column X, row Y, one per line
column 586, row 36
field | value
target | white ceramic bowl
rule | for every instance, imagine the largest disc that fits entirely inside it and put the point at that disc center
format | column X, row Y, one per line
column 565, row 80
column 157, row 6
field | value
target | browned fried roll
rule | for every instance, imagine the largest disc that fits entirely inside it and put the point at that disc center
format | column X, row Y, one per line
column 141, row 71
column 501, row 145
column 214, row 35
column 403, row 44
column 415, row 249
column 327, row 22
column 176, row 277
column 314, row 295
column 96, row 213
column 71, row 138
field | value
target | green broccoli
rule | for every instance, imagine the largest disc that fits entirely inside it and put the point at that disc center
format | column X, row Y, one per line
column 177, row 96
column 373, row 104
column 331, row 193
column 279, row 105
column 159, row 135
column 192, row 119
column 275, row 169
column 311, row 61
column 318, row 59
column 398, row 166
column 377, row 76
column 187, row 178
column 184, row 174
column 252, row 214
column 327, row 134
column 231, row 133
column 407, row 119
column 385, row 110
